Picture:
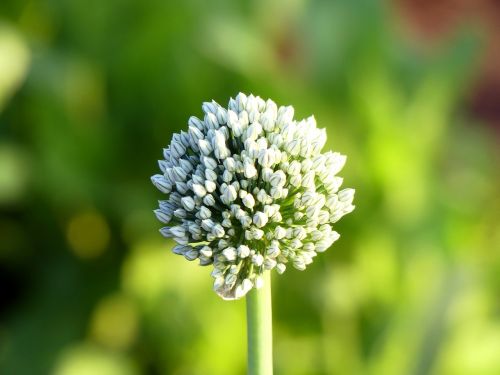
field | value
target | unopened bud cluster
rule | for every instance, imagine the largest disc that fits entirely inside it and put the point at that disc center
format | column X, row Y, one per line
column 248, row 190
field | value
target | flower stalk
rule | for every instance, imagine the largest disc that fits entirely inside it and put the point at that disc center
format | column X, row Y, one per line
column 260, row 329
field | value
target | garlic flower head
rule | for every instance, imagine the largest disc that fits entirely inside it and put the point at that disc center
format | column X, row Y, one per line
column 248, row 190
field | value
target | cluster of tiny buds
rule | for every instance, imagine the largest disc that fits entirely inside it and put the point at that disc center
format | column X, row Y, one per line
column 248, row 190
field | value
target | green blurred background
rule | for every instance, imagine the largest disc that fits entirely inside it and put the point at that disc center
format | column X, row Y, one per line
column 90, row 92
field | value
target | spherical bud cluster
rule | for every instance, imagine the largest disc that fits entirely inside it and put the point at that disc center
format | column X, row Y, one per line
column 248, row 190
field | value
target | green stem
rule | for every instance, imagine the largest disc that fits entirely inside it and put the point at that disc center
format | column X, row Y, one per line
column 260, row 329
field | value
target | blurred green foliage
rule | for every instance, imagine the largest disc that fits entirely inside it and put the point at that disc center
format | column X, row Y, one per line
column 89, row 287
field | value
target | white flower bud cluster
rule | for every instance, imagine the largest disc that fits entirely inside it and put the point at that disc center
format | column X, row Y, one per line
column 249, row 191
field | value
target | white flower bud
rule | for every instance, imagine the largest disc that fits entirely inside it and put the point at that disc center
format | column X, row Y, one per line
column 296, row 180
column 179, row 249
column 299, row 233
column 184, row 240
column 210, row 163
column 181, row 187
column 312, row 211
column 199, row 190
column 229, row 253
column 191, row 254
column 316, row 235
column 204, row 261
column 257, row 233
column 253, row 115
column 204, row 213
column 208, row 107
column 257, row 260
column 165, row 232
column 163, row 164
column 161, row 183
column 260, row 219
column 188, row 203
column 211, row 121
column 178, row 231
column 242, row 289
column 252, row 148
column 230, row 164
column 299, row 263
column 280, row 267
column 293, row 147
column 177, row 149
column 163, row 216
column 285, row 115
column 206, row 251
column 273, row 251
column 232, row 118
column 227, row 176
column 218, row 283
column 266, row 157
column 322, row 245
column 243, row 251
column 221, row 115
column 323, row 217
column 219, row 145
column 229, row 195
column 195, row 134
column 306, row 165
column 205, row 147
column 334, row 236
column 245, row 221
column 210, row 175
column 269, row 264
column 222, row 244
column 218, row 230
column 241, row 101
column 243, row 119
column 249, row 201
column 244, row 184
column 294, row 168
column 231, row 280
column 208, row 200
column 279, row 232
column 237, row 128
column 253, row 131
column 210, row 186
column 278, row 178
column 196, row 122
column 267, row 121
column 186, row 165
column 346, row 195
column 332, row 183
column 276, row 192
column 207, row 224
column 194, row 229
column 308, row 179
column 288, row 132
column 250, row 170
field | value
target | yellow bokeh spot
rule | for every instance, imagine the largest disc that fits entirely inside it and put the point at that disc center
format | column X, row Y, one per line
column 151, row 270
column 86, row 359
column 14, row 61
column 114, row 322
column 14, row 173
column 88, row 234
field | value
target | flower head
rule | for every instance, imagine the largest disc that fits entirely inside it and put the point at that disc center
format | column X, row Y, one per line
column 248, row 190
